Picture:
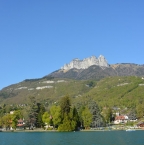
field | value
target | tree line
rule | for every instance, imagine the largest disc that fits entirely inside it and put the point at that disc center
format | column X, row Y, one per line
column 62, row 116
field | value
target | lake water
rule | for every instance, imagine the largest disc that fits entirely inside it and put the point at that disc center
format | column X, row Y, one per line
column 73, row 138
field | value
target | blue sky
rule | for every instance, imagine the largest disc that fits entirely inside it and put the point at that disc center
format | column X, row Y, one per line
column 38, row 37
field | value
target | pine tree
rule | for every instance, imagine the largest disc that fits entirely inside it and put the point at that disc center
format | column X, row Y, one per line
column 97, row 119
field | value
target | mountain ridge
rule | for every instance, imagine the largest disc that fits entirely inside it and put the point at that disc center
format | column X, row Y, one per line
column 86, row 62
column 98, row 72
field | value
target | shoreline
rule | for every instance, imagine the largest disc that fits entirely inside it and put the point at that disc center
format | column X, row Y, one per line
column 87, row 130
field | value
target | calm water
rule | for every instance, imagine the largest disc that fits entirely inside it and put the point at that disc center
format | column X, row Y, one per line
column 73, row 138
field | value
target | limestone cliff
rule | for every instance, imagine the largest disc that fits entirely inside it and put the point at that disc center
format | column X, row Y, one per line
column 85, row 63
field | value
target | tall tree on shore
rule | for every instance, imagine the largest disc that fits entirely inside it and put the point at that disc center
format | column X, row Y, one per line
column 107, row 114
column 97, row 119
column 55, row 112
column 35, row 114
column 46, row 118
column 65, row 105
column 40, row 112
column 6, row 121
column 68, row 121
column 86, row 117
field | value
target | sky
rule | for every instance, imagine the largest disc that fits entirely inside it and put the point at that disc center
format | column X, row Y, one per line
column 39, row 37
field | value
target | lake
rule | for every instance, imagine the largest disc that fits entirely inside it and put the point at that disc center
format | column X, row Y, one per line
column 73, row 138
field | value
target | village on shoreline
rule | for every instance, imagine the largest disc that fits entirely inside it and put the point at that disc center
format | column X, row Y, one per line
column 65, row 117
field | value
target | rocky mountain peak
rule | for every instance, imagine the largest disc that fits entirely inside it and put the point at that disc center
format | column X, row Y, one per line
column 85, row 63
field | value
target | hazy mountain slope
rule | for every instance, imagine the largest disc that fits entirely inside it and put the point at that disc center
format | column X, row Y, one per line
column 128, row 69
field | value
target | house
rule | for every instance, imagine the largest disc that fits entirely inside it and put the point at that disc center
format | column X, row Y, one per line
column 140, row 124
column 11, row 112
column 121, row 119
column 20, row 123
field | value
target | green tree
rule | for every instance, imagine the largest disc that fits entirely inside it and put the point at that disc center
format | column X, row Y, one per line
column 46, row 118
column 32, row 116
column 5, row 121
column 69, row 115
column 107, row 114
column 55, row 111
column 86, row 117
column 132, row 114
column 75, row 117
column 81, row 109
column 68, row 124
column 65, row 105
column 15, row 117
column 35, row 115
column 40, row 112
column 97, row 119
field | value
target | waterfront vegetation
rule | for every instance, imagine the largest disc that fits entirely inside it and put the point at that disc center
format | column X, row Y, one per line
column 64, row 116
column 89, row 104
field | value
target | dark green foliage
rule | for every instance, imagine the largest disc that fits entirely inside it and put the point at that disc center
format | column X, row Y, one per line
column 75, row 115
column 70, row 117
column 32, row 80
column 132, row 115
column 70, row 121
column 80, row 109
column 35, row 115
column 108, row 115
column 68, row 124
column 40, row 112
column 91, row 83
column 38, row 79
column 48, row 77
column 65, row 105
column 97, row 119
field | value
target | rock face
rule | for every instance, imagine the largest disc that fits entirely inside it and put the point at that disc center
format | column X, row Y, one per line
column 85, row 63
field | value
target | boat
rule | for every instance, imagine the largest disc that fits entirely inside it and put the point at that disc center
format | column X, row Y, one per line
column 130, row 129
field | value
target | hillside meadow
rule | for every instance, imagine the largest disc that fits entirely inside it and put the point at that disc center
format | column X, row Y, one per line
column 119, row 92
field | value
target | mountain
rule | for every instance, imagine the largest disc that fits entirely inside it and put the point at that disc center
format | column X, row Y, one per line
column 80, row 78
column 85, row 63
column 98, row 72
column 96, row 68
